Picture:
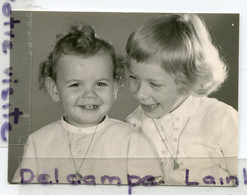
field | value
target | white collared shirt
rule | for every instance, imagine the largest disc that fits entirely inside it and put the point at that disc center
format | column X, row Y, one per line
column 201, row 134
column 116, row 150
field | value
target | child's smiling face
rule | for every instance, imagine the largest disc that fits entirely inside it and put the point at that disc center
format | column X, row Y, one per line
column 154, row 88
column 85, row 87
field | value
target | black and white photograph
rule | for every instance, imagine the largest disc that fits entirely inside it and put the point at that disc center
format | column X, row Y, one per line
column 125, row 99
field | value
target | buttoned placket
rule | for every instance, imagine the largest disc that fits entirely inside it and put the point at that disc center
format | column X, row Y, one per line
column 163, row 152
column 77, row 144
column 174, row 128
column 78, row 136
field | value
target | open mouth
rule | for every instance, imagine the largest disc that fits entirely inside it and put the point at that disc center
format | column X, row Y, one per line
column 89, row 107
column 149, row 107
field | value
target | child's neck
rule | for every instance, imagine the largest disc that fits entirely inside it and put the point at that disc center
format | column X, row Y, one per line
column 179, row 102
column 83, row 125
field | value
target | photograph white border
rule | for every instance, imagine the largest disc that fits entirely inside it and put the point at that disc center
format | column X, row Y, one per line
column 202, row 6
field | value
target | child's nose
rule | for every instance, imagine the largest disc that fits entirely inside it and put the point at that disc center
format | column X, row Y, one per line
column 141, row 92
column 89, row 93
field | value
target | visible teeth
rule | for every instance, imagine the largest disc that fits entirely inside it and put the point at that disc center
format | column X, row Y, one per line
column 150, row 105
column 89, row 106
column 154, row 105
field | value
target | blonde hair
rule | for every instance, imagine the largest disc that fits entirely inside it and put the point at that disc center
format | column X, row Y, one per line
column 182, row 45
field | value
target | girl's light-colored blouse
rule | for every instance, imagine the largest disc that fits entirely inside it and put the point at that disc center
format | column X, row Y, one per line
column 201, row 136
column 116, row 150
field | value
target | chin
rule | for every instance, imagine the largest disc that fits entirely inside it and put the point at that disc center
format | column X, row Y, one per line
column 152, row 115
column 155, row 114
column 95, row 120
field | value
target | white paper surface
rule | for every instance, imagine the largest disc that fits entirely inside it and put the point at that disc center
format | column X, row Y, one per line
column 202, row 6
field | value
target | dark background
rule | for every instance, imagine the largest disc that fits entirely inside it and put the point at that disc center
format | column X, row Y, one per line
column 35, row 37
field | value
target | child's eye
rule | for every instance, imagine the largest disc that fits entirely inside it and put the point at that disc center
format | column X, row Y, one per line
column 132, row 77
column 101, row 84
column 155, row 84
column 75, row 85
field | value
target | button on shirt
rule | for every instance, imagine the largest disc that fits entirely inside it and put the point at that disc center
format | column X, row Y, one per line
column 201, row 135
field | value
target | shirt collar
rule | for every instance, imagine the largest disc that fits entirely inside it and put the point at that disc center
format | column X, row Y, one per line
column 188, row 108
column 84, row 130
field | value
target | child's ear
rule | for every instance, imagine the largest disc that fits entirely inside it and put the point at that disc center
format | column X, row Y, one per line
column 51, row 87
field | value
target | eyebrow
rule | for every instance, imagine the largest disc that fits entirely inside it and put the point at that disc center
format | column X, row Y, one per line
column 104, row 79
column 75, row 80
column 150, row 79
column 153, row 80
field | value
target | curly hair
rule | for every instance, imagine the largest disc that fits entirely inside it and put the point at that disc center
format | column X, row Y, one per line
column 81, row 40
column 182, row 45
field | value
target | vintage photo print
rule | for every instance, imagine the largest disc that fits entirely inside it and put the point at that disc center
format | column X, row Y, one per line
column 124, row 99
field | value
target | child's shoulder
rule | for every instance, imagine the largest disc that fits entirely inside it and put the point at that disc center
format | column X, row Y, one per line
column 135, row 117
column 47, row 130
column 216, row 107
column 124, row 130
column 120, row 124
